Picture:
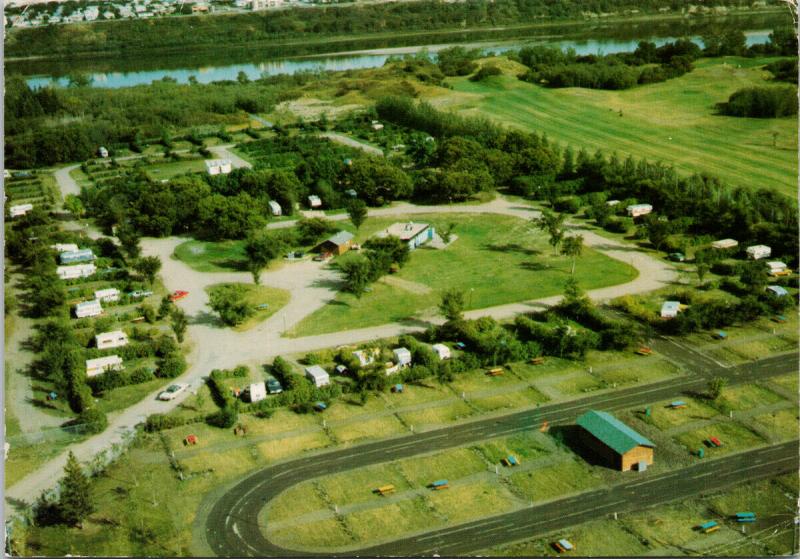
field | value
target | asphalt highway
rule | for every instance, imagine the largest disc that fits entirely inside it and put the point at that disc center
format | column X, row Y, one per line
column 232, row 528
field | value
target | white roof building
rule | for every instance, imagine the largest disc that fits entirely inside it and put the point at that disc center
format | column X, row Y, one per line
column 275, row 208
column 107, row 340
column 777, row 290
column 19, row 209
column 64, row 247
column 317, row 375
column 101, row 365
column 314, row 201
column 365, row 357
column 107, row 295
column 88, row 308
column 257, row 391
column 76, row 271
column 442, row 351
column 415, row 234
column 725, row 243
column 757, row 252
column 218, row 166
column 612, row 202
column 376, row 125
column 670, row 309
column 402, row 356
column 635, row 210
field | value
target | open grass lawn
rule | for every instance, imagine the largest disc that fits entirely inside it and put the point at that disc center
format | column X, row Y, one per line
column 578, row 383
column 295, row 501
column 436, row 416
column 673, row 524
column 496, row 260
column 318, row 534
column 790, row 382
column 450, row 464
column 203, row 256
column 782, row 424
column 165, row 171
column 264, row 300
column 465, row 502
column 125, row 396
column 391, row 521
column 279, row 449
column 745, row 397
column 357, row 486
column 558, row 480
column 525, row 446
column 673, row 121
column 525, row 397
column 360, row 431
column 734, row 437
column 664, row 417
column 28, row 452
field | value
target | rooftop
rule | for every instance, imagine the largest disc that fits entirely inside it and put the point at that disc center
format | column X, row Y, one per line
column 340, row 238
column 612, row 432
column 406, row 231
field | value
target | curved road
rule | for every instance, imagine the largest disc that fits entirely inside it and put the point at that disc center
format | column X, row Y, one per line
column 232, row 527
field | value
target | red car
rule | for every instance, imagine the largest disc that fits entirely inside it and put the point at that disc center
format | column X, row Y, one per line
column 178, row 295
column 715, row 441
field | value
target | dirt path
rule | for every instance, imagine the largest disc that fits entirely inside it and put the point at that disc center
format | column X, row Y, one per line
column 311, row 286
column 352, row 142
column 224, row 152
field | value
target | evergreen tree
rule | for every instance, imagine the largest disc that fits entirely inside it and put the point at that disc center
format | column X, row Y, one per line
column 75, row 502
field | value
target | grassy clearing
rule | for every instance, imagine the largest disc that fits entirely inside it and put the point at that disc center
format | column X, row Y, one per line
column 527, row 397
column 295, row 501
column 745, row 397
column 670, row 525
column 578, row 382
column 462, row 503
column 782, row 424
column 525, row 446
column 222, row 256
column 391, row 521
column 166, row 171
column 359, row 431
column 664, row 417
column 673, row 121
column 449, row 464
column 496, row 260
column 285, row 447
column 256, row 296
column 790, row 382
column 125, row 396
column 734, row 437
column 321, row 534
column 566, row 477
column 436, row 416
column 357, row 486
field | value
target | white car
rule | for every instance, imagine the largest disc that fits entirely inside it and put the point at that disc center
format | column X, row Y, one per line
column 171, row 392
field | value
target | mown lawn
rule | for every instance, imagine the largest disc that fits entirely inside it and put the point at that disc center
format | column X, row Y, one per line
column 496, row 260
column 203, row 256
column 673, row 121
column 264, row 300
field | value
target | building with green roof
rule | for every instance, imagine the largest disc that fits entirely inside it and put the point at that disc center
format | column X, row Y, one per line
column 613, row 441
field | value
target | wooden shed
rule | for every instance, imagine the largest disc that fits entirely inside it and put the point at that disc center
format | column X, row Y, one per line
column 617, row 444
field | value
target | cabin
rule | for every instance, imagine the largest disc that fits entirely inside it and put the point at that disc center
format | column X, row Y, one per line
column 77, row 271
column 109, row 295
column 314, row 201
column 670, row 309
column 614, row 442
column 757, row 252
column 637, row 210
column 402, row 356
column 275, row 208
column 19, row 210
column 108, row 340
column 338, row 244
column 88, row 308
column 101, row 365
column 75, row 256
column 723, row 244
column 441, row 351
column 318, row 376
column 415, row 234
column 218, row 166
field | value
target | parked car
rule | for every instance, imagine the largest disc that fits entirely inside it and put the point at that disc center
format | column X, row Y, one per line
column 140, row 294
column 273, row 386
column 172, row 392
column 178, row 295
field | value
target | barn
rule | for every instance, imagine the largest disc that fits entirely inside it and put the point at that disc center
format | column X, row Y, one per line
column 338, row 244
column 617, row 444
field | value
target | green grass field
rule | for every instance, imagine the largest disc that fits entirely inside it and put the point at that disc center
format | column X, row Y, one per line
column 203, row 256
column 496, row 260
column 673, row 121
column 256, row 296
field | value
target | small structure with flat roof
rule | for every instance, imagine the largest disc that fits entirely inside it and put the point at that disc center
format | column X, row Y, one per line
column 636, row 210
column 318, row 376
column 314, row 201
column 442, row 351
column 415, row 234
column 218, row 166
column 74, row 256
column 757, row 252
column 108, row 295
column 275, row 208
column 88, row 308
column 76, row 271
column 670, row 309
column 101, row 365
column 402, row 356
column 619, row 445
column 19, row 210
column 108, row 340
column 338, row 244
column 777, row 290
column 725, row 243
column 64, row 247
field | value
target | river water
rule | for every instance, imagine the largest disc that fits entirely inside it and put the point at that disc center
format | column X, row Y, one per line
column 116, row 73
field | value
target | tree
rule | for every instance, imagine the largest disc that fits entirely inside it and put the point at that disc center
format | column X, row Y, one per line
column 179, row 323
column 572, row 247
column 92, row 420
column 357, row 210
column 452, row 304
column 260, row 249
column 754, row 274
column 447, row 232
column 75, row 502
column 553, row 224
column 148, row 267
column 228, row 300
column 74, row 205
column 702, row 269
column 357, row 274
column 129, row 239
column 715, row 387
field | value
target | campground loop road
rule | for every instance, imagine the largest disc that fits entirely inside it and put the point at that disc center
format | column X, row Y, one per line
column 232, row 529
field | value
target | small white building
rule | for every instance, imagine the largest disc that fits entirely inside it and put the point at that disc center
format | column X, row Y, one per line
column 64, row 247
column 108, row 340
column 777, row 290
column 442, row 351
column 376, row 125
column 265, row 4
column 109, row 295
column 103, row 151
column 73, row 256
column 101, row 365
column 19, row 210
column 670, row 309
column 636, row 210
column 76, row 271
column 314, row 201
column 725, row 243
column 415, row 234
column 318, row 376
column 612, row 202
column 88, row 308
column 365, row 357
column 218, row 166
column 776, row 267
column 757, row 252
column 257, row 392
column 275, row 208
column 402, row 356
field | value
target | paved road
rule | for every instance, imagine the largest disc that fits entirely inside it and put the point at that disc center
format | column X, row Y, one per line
column 232, row 528
column 352, row 142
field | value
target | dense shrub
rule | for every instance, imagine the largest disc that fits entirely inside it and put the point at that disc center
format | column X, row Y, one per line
column 761, row 102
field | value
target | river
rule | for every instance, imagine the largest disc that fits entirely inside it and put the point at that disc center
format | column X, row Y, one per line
column 598, row 39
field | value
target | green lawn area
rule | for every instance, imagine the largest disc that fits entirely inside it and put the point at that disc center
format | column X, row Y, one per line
column 664, row 417
column 256, row 296
column 204, row 256
column 162, row 171
column 672, row 121
column 734, row 437
column 558, row 480
column 745, row 397
column 496, row 260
